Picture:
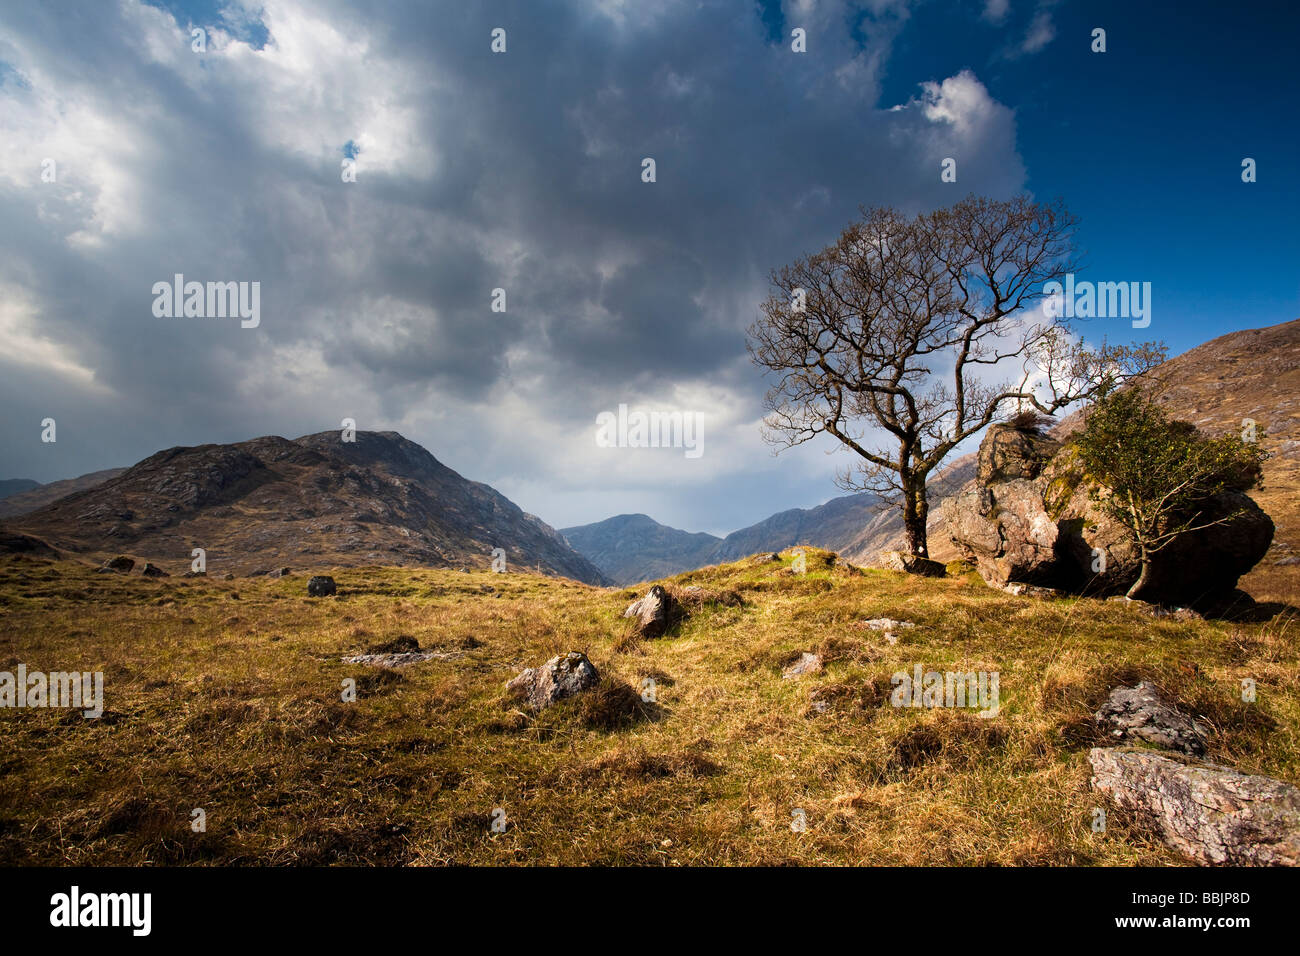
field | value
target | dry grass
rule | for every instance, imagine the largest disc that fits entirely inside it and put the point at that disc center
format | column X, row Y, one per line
column 226, row 696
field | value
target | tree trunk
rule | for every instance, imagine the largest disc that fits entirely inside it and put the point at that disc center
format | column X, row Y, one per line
column 916, row 510
column 1144, row 577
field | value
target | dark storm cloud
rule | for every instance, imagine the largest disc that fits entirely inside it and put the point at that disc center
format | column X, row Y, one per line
column 476, row 171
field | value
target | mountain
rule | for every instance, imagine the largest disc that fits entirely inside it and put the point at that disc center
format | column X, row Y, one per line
column 37, row 495
column 632, row 548
column 832, row 526
column 316, row 501
column 13, row 486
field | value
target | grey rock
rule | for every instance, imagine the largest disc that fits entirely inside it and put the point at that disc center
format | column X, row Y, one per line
column 153, row 571
column 560, row 677
column 1009, row 453
column 1140, row 713
column 403, row 659
column 807, row 663
column 1210, row 814
column 885, row 624
column 1030, row 590
column 121, row 564
column 321, row 585
column 653, row 612
column 902, row 561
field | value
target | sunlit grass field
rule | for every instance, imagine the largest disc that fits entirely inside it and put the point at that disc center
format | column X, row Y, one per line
column 226, row 696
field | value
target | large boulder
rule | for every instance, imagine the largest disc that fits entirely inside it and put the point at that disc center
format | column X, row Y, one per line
column 558, row 678
column 1030, row 517
column 1209, row 813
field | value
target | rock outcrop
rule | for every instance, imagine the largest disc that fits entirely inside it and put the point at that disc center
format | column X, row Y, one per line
column 1029, row 517
column 1209, row 813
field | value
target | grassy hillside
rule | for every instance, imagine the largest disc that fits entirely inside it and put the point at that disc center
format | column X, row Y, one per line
column 226, row 696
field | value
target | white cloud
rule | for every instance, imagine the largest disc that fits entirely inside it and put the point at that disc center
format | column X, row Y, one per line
column 1040, row 33
column 995, row 11
column 962, row 101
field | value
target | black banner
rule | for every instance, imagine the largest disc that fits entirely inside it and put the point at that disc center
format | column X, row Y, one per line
column 334, row 904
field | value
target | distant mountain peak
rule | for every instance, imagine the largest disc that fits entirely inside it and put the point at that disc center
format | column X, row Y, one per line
column 313, row 501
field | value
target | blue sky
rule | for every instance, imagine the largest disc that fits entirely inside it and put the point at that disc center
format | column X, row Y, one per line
column 1145, row 141
column 521, row 171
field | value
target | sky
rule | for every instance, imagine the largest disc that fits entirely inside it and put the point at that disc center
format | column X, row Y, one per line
column 128, row 156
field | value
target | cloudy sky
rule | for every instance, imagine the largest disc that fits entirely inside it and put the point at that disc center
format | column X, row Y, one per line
column 522, row 170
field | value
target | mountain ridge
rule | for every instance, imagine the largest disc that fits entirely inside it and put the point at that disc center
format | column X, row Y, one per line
column 312, row 501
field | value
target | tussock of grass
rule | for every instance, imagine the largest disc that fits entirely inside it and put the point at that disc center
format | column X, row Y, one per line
column 234, row 706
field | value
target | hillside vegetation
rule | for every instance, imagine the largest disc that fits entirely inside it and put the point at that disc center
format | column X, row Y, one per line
column 226, row 696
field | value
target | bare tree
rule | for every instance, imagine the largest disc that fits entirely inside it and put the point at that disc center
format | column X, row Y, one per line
column 903, row 325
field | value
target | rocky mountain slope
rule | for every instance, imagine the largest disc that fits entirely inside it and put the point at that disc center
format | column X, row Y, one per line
column 36, row 495
column 316, row 501
column 631, row 548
